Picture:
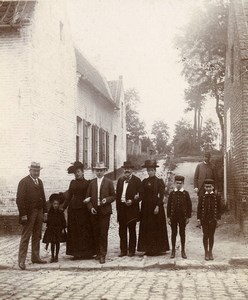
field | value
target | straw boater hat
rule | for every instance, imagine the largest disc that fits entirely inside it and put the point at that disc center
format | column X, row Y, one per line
column 75, row 166
column 127, row 164
column 150, row 164
column 34, row 166
column 100, row 166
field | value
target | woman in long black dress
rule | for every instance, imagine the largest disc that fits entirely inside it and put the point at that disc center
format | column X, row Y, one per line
column 153, row 236
column 80, row 242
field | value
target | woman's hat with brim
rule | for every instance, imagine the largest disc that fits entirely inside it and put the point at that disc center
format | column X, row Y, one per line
column 58, row 197
column 150, row 164
column 128, row 165
column 75, row 166
column 100, row 166
column 34, row 166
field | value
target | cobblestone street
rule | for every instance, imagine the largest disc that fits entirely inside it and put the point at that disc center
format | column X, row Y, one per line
column 153, row 284
column 139, row 277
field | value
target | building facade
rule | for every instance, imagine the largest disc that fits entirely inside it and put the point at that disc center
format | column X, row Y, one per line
column 236, row 111
column 56, row 108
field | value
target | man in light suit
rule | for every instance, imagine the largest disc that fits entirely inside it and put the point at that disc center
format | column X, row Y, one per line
column 32, row 208
column 100, row 194
column 128, row 195
column 204, row 170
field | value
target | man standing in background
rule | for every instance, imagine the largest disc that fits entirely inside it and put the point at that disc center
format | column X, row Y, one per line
column 204, row 170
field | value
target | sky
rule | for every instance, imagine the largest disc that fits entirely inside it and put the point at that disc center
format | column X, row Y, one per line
column 134, row 38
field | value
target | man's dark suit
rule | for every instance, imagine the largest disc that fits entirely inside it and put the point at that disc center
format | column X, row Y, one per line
column 31, row 202
column 100, row 221
column 127, row 216
column 204, row 171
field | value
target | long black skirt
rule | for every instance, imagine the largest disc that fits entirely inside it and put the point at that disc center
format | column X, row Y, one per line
column 80, row 241
column 153, row 236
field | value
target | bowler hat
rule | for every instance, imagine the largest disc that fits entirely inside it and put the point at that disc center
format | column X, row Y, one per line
column 209, row 181
column 75, row 166
column 179, row 178
column 150, row 164
column 35, row 166
column 100, row 166
column 127, row 164
column 56, row 196
column 207, row 154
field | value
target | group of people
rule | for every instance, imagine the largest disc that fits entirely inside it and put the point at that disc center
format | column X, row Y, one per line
column 89, row 210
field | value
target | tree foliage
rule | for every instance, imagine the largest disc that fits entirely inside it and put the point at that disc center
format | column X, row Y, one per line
column 183, row 140
column 160, row 130
column 202, row 47
column 135, row 127
column 209, row 135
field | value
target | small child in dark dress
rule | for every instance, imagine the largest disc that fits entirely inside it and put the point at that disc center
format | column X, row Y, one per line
column 55, row 232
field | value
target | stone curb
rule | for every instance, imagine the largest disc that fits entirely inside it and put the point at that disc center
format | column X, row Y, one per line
column 176, row 265
column 239, row 261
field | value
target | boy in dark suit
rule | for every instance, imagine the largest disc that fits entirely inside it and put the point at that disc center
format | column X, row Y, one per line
column 32, row 208
column 208, row 213
column 128, row 195
column 100, row 195
column 179, row 210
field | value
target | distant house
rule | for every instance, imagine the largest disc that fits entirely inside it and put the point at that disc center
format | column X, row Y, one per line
column 55, row 106
column 236, row 111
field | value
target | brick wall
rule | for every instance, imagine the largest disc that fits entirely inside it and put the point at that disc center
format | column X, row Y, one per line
column 236, row 106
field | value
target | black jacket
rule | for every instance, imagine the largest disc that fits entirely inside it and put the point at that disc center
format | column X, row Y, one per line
column 126, row 213
column 209, row 208
column 30, row 196
column 179, row 202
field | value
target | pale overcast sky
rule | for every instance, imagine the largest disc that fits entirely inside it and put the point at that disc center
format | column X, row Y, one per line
column 134, row 38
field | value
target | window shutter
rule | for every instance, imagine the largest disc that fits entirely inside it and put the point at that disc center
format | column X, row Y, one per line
column 107, row 149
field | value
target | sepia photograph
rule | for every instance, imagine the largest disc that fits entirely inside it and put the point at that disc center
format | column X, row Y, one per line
column 124, row 149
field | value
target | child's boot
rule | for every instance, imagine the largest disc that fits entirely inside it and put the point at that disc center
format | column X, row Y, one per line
column 173, row 253
column 56, row 259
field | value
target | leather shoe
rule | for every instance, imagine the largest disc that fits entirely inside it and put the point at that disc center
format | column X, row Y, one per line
column 211, row 256
column 122, row 254
column 52, row 260
column 173, row 253
column 22, row 266
column 102, row 260
column 98, row 256
column 183, row 254
column 131, row 254
column 206, row 256
column 40, row 261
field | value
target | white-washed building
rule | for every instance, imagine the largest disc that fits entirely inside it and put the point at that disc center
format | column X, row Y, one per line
column 55, row 106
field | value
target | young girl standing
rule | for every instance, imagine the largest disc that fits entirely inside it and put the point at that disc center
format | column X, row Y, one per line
column 56, row 224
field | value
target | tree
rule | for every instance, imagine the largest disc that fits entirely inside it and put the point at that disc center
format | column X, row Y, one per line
column 183, row 140
column 146, row 144
column 135, row 127
column 209, row 135
column 160, row 130
column 202, row 49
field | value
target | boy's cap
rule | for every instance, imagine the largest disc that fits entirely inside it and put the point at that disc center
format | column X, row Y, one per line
column 209, row 181
column 179, row 178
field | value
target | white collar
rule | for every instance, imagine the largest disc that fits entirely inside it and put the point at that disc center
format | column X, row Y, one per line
column 207, row 193
column 99, row 179
column 34, row 179
column 181, row 190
